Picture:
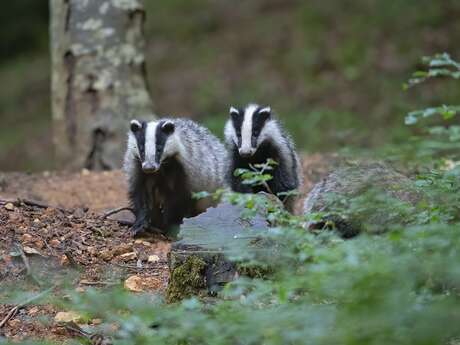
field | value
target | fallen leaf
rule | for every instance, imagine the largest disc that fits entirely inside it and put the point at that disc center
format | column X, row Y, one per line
column 134, row 283
column 30, row 250
column 33, row 311
column 27, row 238
column 14, row 323
column 106, row 255
column 153, row 258
column 67, row 316
column 39, row 244
column 128, row 256
column 137, row 283
column 55, row 243
column 64, row 260
column 91, row 250
column 6, row 258
column 122, row 249
column 140, row 241
column 9, row 206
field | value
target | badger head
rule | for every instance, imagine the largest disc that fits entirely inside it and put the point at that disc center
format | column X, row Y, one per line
column 248, row 128
column 154, row 142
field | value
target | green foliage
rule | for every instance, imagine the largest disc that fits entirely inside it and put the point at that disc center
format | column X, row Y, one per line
column 441, row 65
column 399, row 287
column 258, row 174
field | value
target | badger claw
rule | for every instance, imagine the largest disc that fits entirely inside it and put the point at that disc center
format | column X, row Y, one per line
column 137, row 228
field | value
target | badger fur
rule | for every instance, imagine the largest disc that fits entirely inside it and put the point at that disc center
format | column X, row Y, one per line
column 166, row 161
column 253, row 135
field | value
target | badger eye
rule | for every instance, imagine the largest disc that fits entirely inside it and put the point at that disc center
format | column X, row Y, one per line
column 135, row 126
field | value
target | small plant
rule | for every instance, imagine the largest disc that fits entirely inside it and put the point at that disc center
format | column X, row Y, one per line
column 258, row 174
column 440, row 65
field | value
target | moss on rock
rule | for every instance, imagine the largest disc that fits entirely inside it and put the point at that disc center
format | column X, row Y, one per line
column 187, row 279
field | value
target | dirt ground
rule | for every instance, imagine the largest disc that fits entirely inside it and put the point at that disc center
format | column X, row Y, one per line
column 57, row 231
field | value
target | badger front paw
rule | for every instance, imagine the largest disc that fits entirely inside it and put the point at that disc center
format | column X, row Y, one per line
column 138, row 227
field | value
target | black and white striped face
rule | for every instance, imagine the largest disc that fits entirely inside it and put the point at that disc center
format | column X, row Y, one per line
column 154, row 142
column 247, row 128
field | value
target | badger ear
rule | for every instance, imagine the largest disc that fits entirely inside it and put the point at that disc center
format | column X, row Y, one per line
column 234, row 112
column 135, row 125
column 265, row 112
column 168, row 127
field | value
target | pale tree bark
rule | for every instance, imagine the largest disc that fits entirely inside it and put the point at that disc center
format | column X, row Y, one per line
column 98, row 79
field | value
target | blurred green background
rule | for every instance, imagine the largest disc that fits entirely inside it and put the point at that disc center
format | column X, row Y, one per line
column 333, row 70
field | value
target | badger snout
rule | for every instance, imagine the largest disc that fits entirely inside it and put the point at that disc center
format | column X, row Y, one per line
column 149, row 167
column 246, row 152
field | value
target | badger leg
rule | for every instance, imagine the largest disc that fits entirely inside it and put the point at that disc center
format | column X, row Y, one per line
column 175, row 211
column 139, row 223
column 139, row 198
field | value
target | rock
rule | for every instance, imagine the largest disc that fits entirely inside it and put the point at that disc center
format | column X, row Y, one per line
column 203, row 260
column 67, row 316
column 363, row 197
column 9, row 206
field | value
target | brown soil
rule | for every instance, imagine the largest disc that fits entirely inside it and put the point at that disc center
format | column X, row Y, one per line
column 66, row 239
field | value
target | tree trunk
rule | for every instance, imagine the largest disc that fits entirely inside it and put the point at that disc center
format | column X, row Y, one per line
column 98, row 79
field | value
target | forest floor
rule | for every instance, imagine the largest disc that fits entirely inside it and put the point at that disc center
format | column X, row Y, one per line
column 54, row 231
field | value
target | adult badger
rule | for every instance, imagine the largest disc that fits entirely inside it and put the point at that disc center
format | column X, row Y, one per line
column 253, row 135
column 166, row 161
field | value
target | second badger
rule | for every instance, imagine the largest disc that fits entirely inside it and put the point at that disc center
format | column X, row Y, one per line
column 254, row 135
column 166, row 162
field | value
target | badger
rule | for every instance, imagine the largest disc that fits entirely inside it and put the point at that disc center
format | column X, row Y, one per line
column 253, row 135
column 166, row 161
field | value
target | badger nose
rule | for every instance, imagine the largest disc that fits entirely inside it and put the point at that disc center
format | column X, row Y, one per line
column 246, row 153
column 148, row 167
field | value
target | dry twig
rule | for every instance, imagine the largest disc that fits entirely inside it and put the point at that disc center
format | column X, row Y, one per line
column 28, row 202
column 25, row 260
column 95, row 338
column 15, row 309
column 117, row 210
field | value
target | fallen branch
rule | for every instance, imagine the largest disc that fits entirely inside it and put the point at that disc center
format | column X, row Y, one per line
column 28, row 202
column 117, row 210
column 94, row 338
column 123, row 222
column 15, row 309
